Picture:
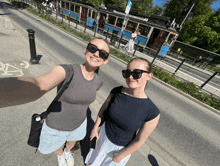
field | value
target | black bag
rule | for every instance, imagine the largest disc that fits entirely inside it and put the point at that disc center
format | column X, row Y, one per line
column 36, row 126
column 38, row 119
column 105, row 116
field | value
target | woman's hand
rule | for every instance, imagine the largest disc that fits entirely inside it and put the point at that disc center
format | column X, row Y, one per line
column 94, row 133
column 117, row 158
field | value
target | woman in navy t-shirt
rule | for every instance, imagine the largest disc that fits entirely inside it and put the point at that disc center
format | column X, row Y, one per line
column 130, row 111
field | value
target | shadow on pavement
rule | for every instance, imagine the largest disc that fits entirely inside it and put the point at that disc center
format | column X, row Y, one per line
column 152, row 160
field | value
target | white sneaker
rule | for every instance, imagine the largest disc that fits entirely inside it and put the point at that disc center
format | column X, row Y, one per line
column 69, row 158
column 61, row 160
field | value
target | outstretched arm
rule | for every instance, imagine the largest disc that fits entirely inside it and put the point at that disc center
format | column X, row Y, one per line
column 144, row 132
column 21, row 90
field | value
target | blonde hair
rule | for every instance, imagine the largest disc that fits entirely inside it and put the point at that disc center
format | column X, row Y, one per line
column 97, row 70
column 148, row 64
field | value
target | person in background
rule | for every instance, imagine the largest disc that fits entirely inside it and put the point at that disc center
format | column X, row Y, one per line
column 67, row 121
column 133, row 117
column 199, row 59
column 130, row 44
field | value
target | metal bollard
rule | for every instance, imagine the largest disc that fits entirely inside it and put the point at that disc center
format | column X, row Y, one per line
column 56, row 13
column 69, row 19
column 85, row 27
column 76, row 22
column 120, row 40
column 208, row 80
column 107, row 34
column 34, row 59
column 95, row 31
column 62, row 17
column 155, row 56
column 179, row 66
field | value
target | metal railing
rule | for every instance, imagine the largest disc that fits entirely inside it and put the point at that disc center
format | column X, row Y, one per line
column 192, row 54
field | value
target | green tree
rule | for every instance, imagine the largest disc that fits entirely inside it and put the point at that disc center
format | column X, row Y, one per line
column 158, row 10
column 201, row 28
column 202, row 31
column 143, row 7
column 178, row 9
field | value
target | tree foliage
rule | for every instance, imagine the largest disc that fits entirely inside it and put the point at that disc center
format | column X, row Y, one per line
column 202, row 26
column 143, row 7
column 178, row 9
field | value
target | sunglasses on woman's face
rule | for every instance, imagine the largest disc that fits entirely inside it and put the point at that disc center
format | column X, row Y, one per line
column 93, row 48
column 136, row 73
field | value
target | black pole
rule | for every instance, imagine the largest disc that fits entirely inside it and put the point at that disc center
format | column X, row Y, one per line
column 111, row 37
column 85, row 27
column 208, row 80
column 69, row 19
column 155, row 56
column 56, row 12
column 136, row 47
column 95, row 31
column 62, row 17
column 34, row 59
column 76, row 22
column 107, row 34
column 179, row 66
column 120, row 40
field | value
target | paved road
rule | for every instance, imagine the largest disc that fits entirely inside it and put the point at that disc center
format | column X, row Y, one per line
column 187, row 131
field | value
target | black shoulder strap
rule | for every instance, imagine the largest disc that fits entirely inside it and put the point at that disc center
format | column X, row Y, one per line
column 105, row 116
column 115, row 93
column 62, row 89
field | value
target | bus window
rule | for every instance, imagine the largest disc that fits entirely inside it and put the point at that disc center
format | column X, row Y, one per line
column 89, row 13
column 144, row 30
column 111, row 20
column 67, row 6
column 63, row 4
column 119, row 22
column 72, row 7
column 131, row 26
column 170, row 39
column 77, row 9
column 93, row 14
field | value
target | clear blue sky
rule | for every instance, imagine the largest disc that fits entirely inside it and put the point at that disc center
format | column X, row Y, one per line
column 214, row 6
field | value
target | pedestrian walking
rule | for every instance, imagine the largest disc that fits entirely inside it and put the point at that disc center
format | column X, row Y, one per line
column 132, row 118
column 66, row 123
column 130, row 44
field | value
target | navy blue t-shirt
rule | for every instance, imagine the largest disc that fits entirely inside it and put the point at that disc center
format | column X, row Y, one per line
column 127, row 114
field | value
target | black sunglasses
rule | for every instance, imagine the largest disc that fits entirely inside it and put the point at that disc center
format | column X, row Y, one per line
column 93, row 48
column 136, row 73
